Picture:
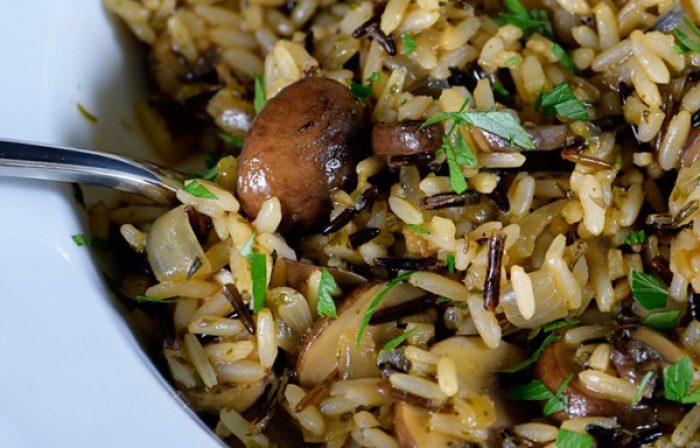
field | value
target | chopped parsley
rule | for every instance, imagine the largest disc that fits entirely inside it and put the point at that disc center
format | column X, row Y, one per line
column 537, row 391
column 92, row 241
column 258, row 273
column 500, row 123
column 549, row 340
column 233, row 140
column 198, row 190
column 535, row 21
column 259, row 96
column 640, row 388
column 686, row 42
column 664, row 321
column 677, row 380
column 451, row 264
column 409, row 45
column 440, row 300
column 513, row 60
column 648, row 291
column 572, row 439
column 498, row 89
column 456, row 154
column 564, row 58
column 561, row 101
column 375, row 303
column 373, row 78
column 360, row 91
column 636, row 237
column 398, row 340
column 559, row 324
column 415, row 228
column 325, row 306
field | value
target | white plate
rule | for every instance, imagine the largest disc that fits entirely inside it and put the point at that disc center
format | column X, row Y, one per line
column 71, row 372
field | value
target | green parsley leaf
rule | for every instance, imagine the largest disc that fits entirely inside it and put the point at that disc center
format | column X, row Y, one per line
column 89, row 116
column 500, row 123
column 457, row 181
column 360, row 91
column 558, row 324
column 210, row 160
column 648, row 291
column 500, row 90
column 374, row 77
column 233, row 140
column 513, row 60
column 325, row 305
column 562, row 101
column 259, row 96
column 537, row 391
column 564, row 57
column 440, row 300
column 572, row 439
column 549, row 340
column 516, row 8
column 677, row 380
column 530, row 22
column 663, row 321
column 198, row 190
column 415, row 228
column 375, row 303
column 409, row 45
column 93, row 241
column 247, row 247
column 640, row 388
column 635, row 237
column 685, row 41
column 258, row 273
column 398, row 340
column 451, row 264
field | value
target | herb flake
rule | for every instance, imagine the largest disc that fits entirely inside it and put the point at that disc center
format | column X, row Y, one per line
column 451, row 264
column 258, row 273
column 561, row 101
column 92, row 241
column 564, row 58
column 409, row 45
column 663, row 321
column 573, row 439
column 375, row 303
column 500, row 123
column 677, row 380
column 398, row 340
column 198, row 190
column 233, row 140
column 636, row 237
column 640, row 388
column 415, row 228
column 360, row 91
column 549, row 340
column 648, row 291
column 259, row 95
column 325, row 306
column 537, row 391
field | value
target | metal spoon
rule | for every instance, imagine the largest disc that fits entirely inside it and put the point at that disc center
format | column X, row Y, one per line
column 50, row 162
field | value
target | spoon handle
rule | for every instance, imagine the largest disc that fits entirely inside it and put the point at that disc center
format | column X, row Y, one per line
column 49, row 162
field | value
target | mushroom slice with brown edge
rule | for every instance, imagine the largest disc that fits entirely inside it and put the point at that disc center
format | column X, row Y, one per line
column 239, row 397
column 298, row 273
column 303, row 145
column 405, row 138
column 319, row 352
column 476, row 364
column 555, row 364
column 545, row 138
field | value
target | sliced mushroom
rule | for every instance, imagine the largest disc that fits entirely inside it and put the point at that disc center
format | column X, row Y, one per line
column 476, row 364
column 412, row 427
column 319, row 352
column 545, row 138
column 302, row 146
column 405, row 138
column 298, row 273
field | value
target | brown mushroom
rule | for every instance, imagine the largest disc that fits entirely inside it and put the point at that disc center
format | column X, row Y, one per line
column 544, row 138
column 691, row 151
column 412, row 427
column 555, row 364
column 302, row 146
column 239, row 397
column 405, row 138
column 319, row 352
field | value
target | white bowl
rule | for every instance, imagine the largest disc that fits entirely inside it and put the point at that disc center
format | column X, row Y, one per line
column 71, row 371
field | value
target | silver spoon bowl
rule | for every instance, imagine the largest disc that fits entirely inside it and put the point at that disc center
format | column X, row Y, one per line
column 65, row 164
